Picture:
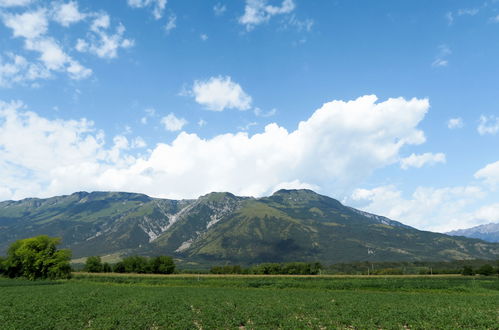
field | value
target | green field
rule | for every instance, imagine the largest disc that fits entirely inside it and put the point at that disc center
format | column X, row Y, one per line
column 250, row 302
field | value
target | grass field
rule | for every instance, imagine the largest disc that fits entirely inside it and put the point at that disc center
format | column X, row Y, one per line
column 250, row 302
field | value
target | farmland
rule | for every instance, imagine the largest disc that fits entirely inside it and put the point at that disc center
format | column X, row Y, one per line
column 250, row 302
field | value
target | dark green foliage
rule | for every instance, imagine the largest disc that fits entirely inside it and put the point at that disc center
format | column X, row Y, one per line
column 144, row 265
column 136, row 264
column 162, row 265
column 2, row 266
column 485, row 270
column 119, row 267
column 290, row 268
column 93, row 264
column 38, row 258
column 106, row 268
column 468, row 271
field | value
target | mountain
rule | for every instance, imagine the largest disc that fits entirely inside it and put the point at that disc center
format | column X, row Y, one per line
column 488, row 232
column 290, row 225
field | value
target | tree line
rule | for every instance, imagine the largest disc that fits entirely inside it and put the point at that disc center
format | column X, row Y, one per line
column 288, row 268
column 132, row 264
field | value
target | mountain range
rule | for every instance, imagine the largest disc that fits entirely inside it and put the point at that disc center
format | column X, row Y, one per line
column 290, row 225
column 488, row 232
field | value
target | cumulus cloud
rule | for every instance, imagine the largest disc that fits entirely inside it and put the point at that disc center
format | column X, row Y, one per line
column 335, row 149
column 173, row 123
column 32, row 27
column 15, row 69
column 158, row 6
column 102, row 43
column 488, row 125
column 258, row 11
column 220, row 93
column 67, row 13
column 437, row 209
column 28, row 25
column 454, row 123
column 489, row 174
column 419, row 161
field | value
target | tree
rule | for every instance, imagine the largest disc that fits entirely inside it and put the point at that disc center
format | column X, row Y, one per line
column 485, row 270
column 93, row 264
column 38, row 258
column 106, row 268
column 2, row 266
column 468, row 270
column 162, row 265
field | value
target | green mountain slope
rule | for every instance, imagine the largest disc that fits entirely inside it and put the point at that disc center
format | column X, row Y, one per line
column 290, row 225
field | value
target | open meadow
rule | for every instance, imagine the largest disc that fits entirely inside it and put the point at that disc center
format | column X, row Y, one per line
column 250, row 302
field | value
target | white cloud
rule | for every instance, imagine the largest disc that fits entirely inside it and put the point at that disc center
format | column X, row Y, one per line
column 17, row 70
column 102, row 43
column 67, row 13
column 15, row 3
column 28, row 25
column 335, row 149
column 159, row 6
column 454, row 123
column 33, row 26
column 437, row 209
column 220, row 93
column 419, row 161
column 219, row 9
column 203, row 36
column 172, row 123
column 488, row 125
column 258, row 11
column 489, row 174
column 171, row 23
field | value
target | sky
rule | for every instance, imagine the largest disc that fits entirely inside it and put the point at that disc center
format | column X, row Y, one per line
column 389, row 106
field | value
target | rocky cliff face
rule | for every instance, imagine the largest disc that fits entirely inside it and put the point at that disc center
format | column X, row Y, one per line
column 488, row 232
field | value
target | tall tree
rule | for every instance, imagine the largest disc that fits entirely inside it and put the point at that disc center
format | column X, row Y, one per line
column 38, row 258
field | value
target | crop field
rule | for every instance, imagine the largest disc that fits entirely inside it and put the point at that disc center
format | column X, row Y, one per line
column 250, row 302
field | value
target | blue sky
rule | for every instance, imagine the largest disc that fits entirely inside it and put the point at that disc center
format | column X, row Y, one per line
column 388, row 106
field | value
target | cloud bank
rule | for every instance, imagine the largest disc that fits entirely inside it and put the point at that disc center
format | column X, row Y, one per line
column 335, row 149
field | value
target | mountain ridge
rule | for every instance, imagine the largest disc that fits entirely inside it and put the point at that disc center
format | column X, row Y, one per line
column 220, row 227
column 488, row 232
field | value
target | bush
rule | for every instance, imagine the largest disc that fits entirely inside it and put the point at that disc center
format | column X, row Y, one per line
column 93, row 265
column 37, row 258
